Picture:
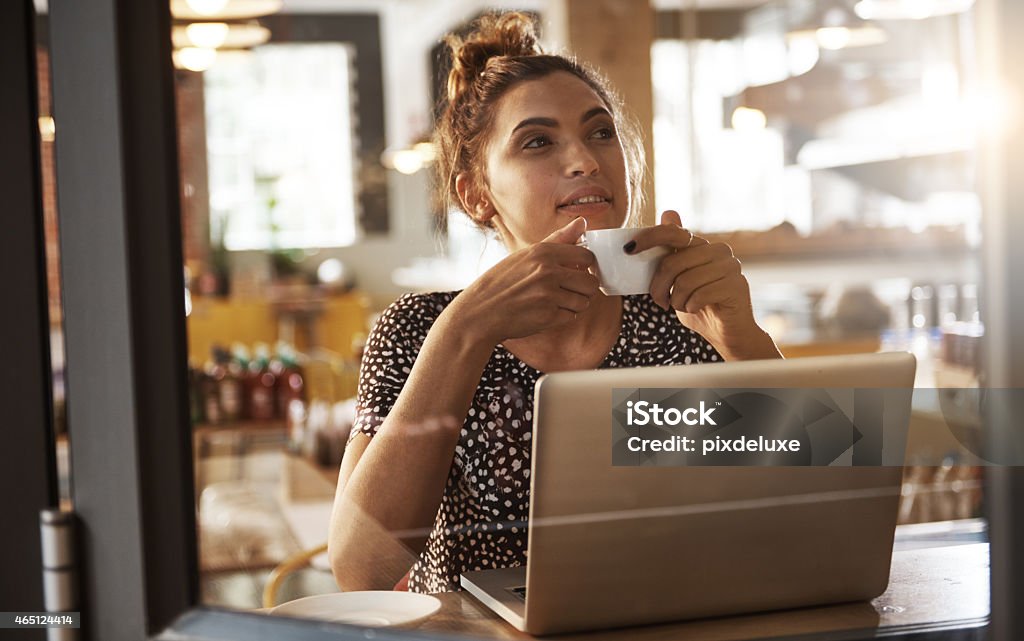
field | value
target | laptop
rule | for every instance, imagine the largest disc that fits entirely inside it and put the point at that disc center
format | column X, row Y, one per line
column 620, row 546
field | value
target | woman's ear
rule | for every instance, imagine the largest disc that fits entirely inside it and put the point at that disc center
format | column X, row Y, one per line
column 474, row 199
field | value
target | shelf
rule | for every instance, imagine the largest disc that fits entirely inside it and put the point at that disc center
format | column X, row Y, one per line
column 786, row 245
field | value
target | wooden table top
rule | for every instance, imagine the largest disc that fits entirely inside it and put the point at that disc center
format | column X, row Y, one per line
column 926, row 586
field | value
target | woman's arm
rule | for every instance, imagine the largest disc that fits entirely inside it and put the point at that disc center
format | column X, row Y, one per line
column 394, row 482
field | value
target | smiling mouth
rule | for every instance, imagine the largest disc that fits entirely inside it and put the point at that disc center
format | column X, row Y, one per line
column 585, row 201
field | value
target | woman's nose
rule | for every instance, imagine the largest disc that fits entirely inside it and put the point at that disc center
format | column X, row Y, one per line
column 579, row 160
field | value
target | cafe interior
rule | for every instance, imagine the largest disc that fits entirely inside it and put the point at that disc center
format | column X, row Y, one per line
column 266, row 173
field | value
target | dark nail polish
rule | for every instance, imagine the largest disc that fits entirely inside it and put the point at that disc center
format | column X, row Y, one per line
column 629, row 247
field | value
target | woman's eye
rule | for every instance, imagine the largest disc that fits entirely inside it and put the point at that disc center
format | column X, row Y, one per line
column 536, row 142
column 604, row 133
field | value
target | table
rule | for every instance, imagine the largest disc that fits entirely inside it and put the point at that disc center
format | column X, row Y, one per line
column 937, row 575
column 926, row 586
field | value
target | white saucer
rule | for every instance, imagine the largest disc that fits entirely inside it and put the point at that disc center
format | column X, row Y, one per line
column 370, row 608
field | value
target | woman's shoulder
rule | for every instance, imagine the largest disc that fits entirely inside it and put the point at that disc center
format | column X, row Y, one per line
column 416, row 310
column 431, row 302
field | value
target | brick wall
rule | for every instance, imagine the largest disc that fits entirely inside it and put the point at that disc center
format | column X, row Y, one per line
column 192, row 165
column 49, row 192
column 195, row 197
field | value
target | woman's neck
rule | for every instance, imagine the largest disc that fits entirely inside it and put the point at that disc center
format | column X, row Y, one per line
column 580, row 344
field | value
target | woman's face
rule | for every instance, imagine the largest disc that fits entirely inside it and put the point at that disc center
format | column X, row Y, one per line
column 553, row 154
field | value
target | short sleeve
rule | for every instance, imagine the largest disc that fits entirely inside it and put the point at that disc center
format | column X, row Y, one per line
column 388, row 357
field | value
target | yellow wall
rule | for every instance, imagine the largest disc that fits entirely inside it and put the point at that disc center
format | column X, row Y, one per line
column 216, row 321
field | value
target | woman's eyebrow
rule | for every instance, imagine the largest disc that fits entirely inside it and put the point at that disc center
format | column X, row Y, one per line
column 544, row 122
column 551, row 122
column 596, row 111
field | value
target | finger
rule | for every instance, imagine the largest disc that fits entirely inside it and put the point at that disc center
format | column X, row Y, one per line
column 575, row 256
column 696, row 241
column 700, row 254
column 564, row 316
column 570, row 233
column 671, row 217
column 672, row 266
column 581, row 282
column 664, row 235
column 721, row 292
column 693, row 279
column 571, row 301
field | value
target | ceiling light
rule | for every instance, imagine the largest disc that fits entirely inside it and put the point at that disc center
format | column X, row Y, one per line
column 747, row 119
column 47, row 128
column 838, row 28
column 410, row 159
column 223, row 9
column 801, row 55
column 209, row 35
column 219, row 35
column 407, row 161
column 206, row 7
column 909, row 9
column 195, row 58
column 426, row 150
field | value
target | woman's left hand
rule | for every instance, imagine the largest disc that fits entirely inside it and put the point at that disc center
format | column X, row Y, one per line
column 704, row 284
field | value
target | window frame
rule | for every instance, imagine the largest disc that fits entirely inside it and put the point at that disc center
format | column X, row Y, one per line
column 362, row 32
column 126, row 349
column 28, row 456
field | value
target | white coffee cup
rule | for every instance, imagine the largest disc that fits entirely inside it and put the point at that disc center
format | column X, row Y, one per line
column 621, row 273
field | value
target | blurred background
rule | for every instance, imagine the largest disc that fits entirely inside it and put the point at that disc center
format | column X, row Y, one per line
column 833, row 144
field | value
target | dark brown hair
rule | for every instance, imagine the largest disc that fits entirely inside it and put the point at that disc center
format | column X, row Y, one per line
column 500, row 52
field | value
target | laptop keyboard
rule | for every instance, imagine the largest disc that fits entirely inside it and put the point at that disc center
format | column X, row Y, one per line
column 519, row 592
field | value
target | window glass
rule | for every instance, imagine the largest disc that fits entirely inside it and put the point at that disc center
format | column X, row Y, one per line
column 826, row 168
column 270, row 187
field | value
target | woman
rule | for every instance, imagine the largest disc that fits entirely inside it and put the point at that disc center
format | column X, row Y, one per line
column 537, row 148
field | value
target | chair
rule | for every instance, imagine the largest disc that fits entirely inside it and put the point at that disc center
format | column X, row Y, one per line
column 298, row 561
column 284, row 568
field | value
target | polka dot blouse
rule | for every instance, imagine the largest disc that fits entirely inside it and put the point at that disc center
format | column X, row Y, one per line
column 481, row 523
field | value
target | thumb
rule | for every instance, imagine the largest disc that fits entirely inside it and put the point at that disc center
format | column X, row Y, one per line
column 570, row 233
column 671, row 217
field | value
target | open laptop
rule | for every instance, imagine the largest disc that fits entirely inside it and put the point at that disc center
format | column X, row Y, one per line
column 617, row 546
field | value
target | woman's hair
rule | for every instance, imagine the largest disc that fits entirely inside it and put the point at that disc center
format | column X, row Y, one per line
column 501, row 52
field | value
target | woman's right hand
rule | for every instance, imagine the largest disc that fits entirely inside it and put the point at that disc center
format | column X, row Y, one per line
column 533, row 289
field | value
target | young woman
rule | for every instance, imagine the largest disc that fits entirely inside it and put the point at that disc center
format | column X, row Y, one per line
column 537, row 148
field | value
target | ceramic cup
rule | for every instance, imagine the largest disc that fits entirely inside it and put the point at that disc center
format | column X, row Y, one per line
column 621, row 273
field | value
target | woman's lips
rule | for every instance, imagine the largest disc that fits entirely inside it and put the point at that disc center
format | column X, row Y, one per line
column 586, row 209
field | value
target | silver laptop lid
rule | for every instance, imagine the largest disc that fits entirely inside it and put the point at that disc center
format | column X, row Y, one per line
column 612, row 546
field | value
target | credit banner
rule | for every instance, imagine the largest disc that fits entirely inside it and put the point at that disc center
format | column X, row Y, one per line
column 819, row 427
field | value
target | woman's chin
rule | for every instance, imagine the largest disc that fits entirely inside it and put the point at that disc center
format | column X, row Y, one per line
column 603, row 220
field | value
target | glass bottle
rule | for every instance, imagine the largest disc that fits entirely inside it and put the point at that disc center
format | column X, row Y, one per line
column 261, row 387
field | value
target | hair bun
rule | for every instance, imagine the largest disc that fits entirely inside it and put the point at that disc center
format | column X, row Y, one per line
column 505, row 34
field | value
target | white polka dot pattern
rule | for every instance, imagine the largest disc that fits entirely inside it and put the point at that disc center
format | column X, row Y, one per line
column 481, row 522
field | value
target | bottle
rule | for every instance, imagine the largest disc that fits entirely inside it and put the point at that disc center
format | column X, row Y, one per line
column 209, row 394
column 295, row 426
column 195, row 393
column 229, row 384
column 261, row 387
column 290, row 384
